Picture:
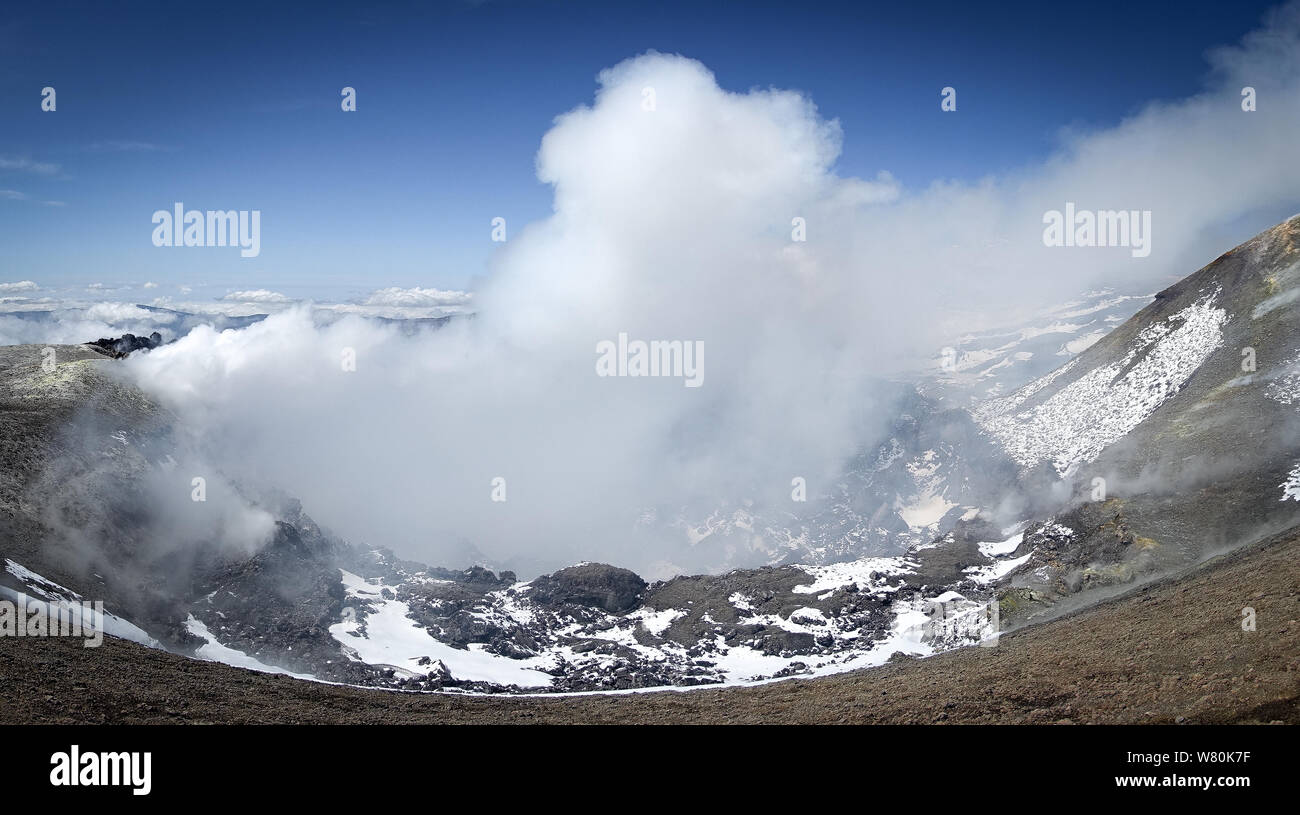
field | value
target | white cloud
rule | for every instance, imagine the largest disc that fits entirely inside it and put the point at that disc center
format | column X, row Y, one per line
column 115, row 314
column 21, row 285
column 124, row 146
column 418, row 297
column 220, row 308
column 10, row 163
column 256, row 296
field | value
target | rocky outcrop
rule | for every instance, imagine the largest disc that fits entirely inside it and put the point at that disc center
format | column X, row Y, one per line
column 595, row 585
column 125, row 344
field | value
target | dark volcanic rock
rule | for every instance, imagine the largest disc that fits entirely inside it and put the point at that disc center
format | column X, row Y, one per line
column 278, row 604
column 125, row 344
column 595, row 585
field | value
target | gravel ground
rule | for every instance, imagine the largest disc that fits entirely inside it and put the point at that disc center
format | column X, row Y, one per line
column 1166, row 652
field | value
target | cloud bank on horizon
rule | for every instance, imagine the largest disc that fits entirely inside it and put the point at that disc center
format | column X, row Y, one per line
column 675, row 224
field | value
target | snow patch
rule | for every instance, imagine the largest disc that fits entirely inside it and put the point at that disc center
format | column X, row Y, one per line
column 214, row 651
column 47, row 593
column 999, row 548
column 1080, row 420
column 996, row 570
column 1291, row 487
column 388, row 636
column 839, row 575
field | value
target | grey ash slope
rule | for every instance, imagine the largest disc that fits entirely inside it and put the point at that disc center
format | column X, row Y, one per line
column 80, row 446
column 1182, row 353
column 41, row 413
column 1194, row 451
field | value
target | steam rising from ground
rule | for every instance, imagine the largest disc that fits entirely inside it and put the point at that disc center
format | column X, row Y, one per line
column 675, row 224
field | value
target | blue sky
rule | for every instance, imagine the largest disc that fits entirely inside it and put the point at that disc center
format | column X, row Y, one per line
column 237, row 107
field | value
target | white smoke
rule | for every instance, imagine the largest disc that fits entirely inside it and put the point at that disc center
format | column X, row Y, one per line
column 675, row 224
